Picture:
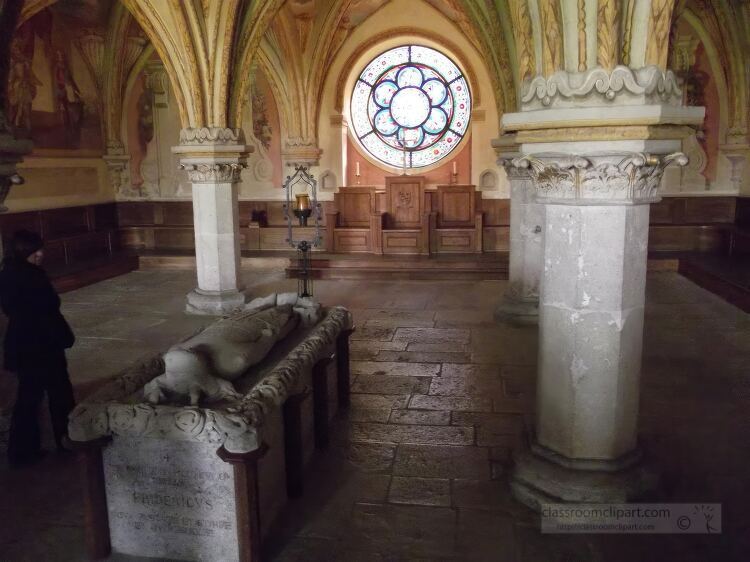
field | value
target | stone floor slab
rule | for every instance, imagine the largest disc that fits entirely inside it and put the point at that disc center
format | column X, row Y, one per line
column 458, row 403
column 394, row 368
column 420, row 491
column 394, row 433
column 442, row 462
column 421, row 417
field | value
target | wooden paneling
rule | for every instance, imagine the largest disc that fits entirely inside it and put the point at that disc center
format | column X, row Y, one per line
column 689, row 238
column 65, row 222
column 702, row 210
column 180, row 213
column 405, row 202
column 742, row 213
column 679, row 224
column 693, row 210
column 461, row 240
column 275, row 238
column 89, row 246
column 455, row 206
column 355, row 205
column 105, row 217
column 174, row 238
column 81, row 244
column 135, row 213
column 496, row 212
column 348, row 240
column 401, row 242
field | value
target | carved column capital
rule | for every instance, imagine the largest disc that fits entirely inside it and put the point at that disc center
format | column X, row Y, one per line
column 513, row 171
column 214, row 172
column 598, row 179
column 212, row 154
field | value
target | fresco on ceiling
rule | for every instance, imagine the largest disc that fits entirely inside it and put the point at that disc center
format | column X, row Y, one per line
column 52, row 96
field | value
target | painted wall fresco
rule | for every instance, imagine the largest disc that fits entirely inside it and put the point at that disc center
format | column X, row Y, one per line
column 701, row 89
column 52, row 97
column 153, row 128
column 266, row 127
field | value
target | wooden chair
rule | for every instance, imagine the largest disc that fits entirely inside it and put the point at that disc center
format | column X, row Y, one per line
column 406, row 223
column 457, row 226
column 354, row 225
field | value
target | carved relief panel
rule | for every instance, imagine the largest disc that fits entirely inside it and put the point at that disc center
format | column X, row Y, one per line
column 404, row 201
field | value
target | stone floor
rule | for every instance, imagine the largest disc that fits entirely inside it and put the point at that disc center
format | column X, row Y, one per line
column 418, row 469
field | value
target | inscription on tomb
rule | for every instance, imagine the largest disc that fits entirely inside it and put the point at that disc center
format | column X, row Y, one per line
column 170, row 499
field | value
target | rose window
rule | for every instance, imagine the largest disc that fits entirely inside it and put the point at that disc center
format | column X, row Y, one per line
column 410, row 99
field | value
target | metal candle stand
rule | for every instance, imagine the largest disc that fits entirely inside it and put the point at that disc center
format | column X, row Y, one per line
column 306, row 206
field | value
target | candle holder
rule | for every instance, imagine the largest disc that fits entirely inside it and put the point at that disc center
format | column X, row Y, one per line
column 302, row 208
column 305, row 206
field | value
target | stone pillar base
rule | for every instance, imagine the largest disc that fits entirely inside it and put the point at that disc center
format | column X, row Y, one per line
column 541, row 476
column 516, row 311
column 214, row 303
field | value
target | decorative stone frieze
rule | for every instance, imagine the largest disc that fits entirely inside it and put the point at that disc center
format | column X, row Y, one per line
column 598, row 86
column 214, row 172
column 210, row 135
column 622, row 178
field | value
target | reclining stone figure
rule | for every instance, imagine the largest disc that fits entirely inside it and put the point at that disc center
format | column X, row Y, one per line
column 205, row 365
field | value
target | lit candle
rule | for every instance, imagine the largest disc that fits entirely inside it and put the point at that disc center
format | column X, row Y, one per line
column 357, row 167
column 455, row 168
column 303, row 201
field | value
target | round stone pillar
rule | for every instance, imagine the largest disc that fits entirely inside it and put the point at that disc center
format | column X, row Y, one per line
column 590, row 326
column 213, row 159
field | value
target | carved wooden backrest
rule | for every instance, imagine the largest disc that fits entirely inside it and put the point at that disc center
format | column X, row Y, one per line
column 355, row 205
column 404, row 201
column 456, row 206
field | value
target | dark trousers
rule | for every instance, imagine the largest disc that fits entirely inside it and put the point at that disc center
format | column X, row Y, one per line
column 48, row 373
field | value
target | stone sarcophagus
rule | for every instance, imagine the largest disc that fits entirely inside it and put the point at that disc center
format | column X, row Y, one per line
column 192, row 454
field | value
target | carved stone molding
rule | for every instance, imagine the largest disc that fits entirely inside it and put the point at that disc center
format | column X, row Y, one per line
column 601, row 87
column 209, row 135
column 606, row 178
column 215, row 172
column 118, row 167
column 301, row 152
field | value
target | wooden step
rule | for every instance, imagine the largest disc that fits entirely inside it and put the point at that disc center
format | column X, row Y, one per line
column 416, row 267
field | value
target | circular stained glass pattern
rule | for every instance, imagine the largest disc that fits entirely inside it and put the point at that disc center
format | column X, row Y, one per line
column 410, row 103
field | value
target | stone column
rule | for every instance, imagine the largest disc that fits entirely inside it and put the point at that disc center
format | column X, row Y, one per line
column 520, row 304
column 590, row 326
column 213, row 158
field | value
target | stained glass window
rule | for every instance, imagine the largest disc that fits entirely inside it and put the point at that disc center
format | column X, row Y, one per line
column 410, row 104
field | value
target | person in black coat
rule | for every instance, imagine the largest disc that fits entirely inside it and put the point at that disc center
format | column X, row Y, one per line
column 35, row 343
